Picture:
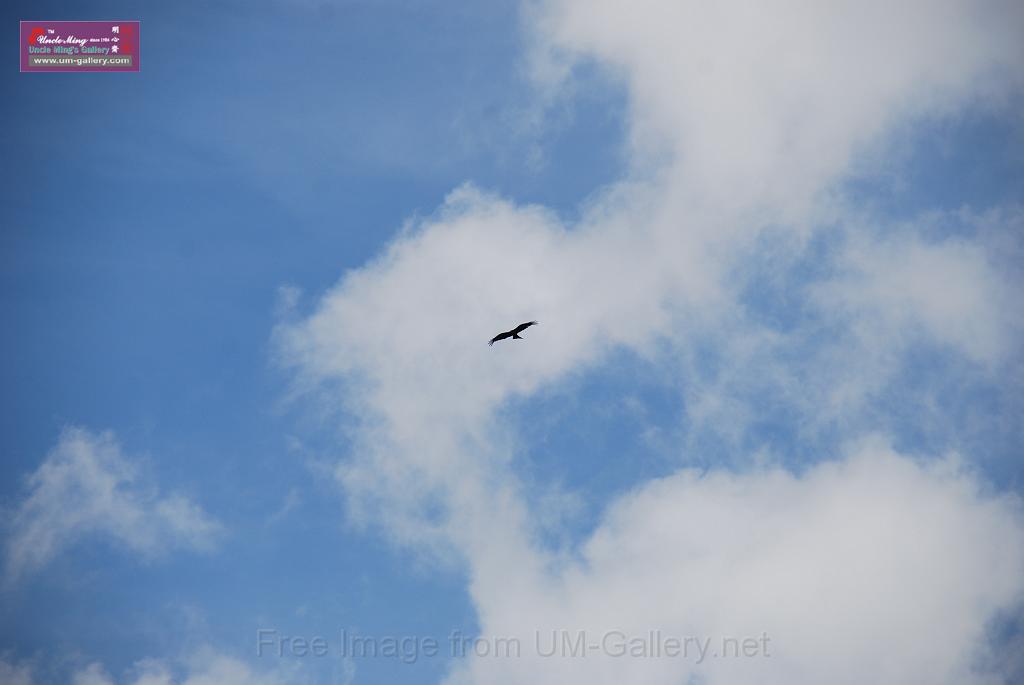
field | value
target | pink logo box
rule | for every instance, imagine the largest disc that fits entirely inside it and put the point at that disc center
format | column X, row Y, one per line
column 80, row 46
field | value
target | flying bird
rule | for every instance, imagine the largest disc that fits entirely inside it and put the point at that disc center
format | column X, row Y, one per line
column 514, row 333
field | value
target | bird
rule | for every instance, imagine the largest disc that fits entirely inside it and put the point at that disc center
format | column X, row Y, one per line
column 514, row 333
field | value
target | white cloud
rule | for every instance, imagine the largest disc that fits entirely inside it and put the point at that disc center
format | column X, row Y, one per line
column 86, row 486
column 763, row 104
column 205, row 667
column 871, row 568
column 93, row 674
column 11, row 674
column 212, row 668
column 743, row 115
column 950, row 290
column 152, row 672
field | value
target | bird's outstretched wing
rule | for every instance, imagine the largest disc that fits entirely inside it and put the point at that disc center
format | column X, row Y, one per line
column 522, row 327
column 500, row 336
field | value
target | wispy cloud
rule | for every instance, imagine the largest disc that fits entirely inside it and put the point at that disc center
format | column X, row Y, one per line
column 15, row 674
column 87, row 487
column 205, row 667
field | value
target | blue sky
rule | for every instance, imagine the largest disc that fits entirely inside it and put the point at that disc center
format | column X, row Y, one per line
column 248, row 284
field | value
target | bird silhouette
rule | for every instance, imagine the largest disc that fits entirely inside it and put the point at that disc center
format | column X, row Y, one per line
column 514, row 333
